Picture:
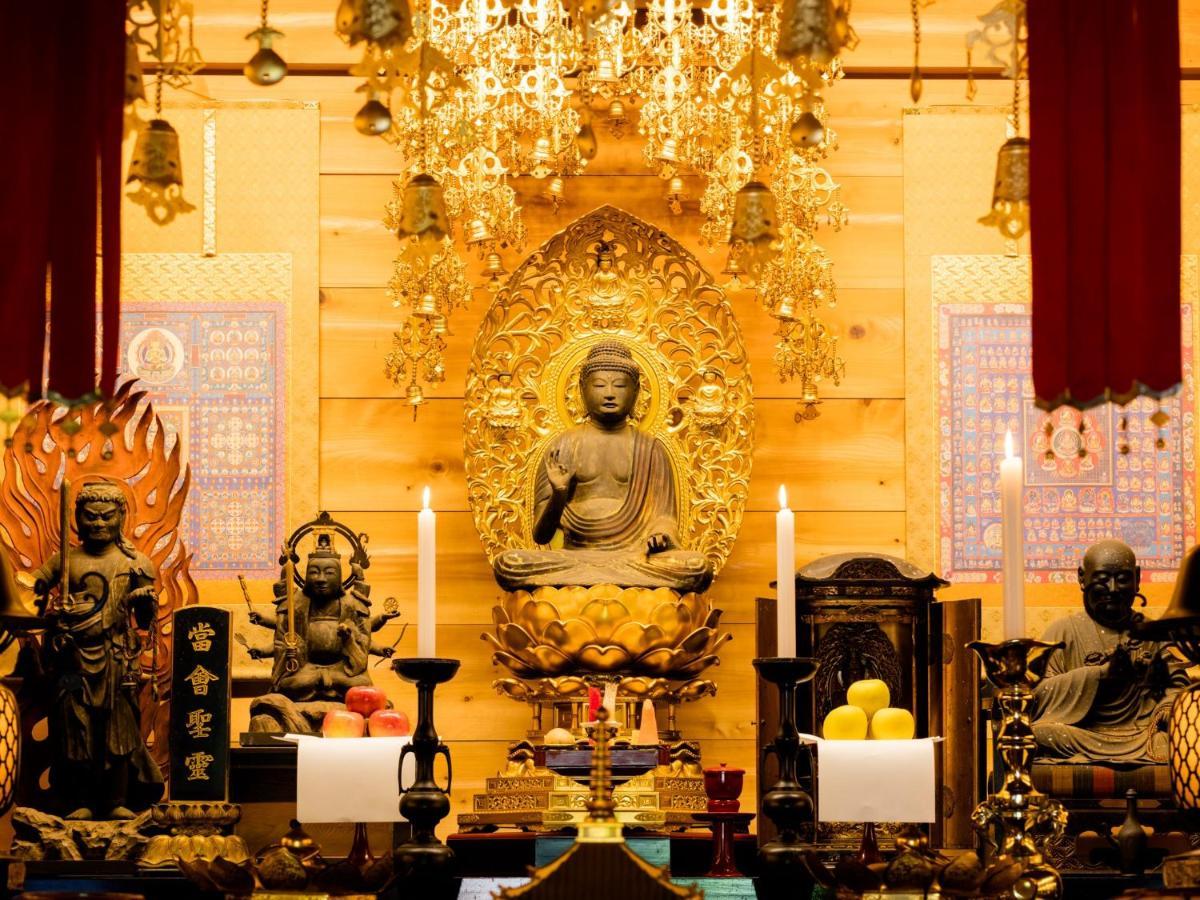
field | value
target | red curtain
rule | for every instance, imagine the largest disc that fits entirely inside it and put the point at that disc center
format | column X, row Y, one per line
column 1104, row 199
column 63, row 94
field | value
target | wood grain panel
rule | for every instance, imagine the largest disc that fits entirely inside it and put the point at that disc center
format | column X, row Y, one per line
column 357, row 326
column 357, row 251
column 467, row 591
column 884, row 28
column 374, row 457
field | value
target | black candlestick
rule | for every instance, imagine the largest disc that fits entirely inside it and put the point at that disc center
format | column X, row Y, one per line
column 784, row 872
column 424, row 803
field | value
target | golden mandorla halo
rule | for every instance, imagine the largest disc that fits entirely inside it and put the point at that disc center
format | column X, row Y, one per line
column 522, row 390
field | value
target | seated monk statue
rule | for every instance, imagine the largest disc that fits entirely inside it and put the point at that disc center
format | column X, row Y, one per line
column 609, row 488
column 1106, row 697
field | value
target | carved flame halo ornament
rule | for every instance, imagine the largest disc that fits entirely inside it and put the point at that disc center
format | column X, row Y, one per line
column 608, row 276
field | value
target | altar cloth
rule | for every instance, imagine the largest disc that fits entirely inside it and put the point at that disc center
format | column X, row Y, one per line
column 876, row 781
column 349, row 779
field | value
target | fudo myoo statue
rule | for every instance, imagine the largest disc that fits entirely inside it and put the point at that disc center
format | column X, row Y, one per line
column 332, row 626
column 608, row 487
column 1106, row 696
column 100, row 767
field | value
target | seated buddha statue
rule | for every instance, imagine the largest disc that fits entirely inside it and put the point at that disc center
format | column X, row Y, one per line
column 609, row 488
column 1106, row 696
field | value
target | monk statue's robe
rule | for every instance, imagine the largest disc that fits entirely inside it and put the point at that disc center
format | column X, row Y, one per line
column 1084, row 714
column 604, row 539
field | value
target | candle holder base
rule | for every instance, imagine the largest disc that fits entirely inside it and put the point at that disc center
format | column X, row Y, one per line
column 1016, row 815
column 784, row 870
column 425, row 862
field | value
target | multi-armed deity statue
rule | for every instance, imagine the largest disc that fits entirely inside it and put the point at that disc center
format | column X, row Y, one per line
column 322, row 626
column 607, row 443
column 93, row 653
column 1106, row 697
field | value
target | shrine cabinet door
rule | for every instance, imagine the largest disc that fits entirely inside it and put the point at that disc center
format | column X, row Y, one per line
column 954, row 714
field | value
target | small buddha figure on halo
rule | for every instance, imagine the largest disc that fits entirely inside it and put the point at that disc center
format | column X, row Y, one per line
column 1106, row 697
column 334, row 629
column 609, row 488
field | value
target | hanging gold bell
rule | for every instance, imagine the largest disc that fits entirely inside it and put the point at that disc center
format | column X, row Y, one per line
column 423, row 209
column 807, row 131
column 786, row 310
column 616, row 118
column 737, row 275
column 155, row 160
column 586, row 142
column 754, row 220
column 812, row 31
column 373, row 118
column 135, row 86
column 605, row 71
column 541, row 151
column 266, row 67
column 385, row 23
column 669, row 152
column 426, row 307
column 415, row 395
column 1010, row 195
column 477, row 232
column 676, row 193
column 554, row 191
column 494, row 270
column 437, row 324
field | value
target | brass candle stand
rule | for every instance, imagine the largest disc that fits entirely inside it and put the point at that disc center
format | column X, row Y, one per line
column 786, row 804
column 425, row 861
column 1016, row 810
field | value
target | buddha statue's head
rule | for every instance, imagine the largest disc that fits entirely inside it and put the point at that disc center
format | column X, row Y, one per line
column 100, row 513
column 608, row 383
column 323, row 573
column 1110, row 579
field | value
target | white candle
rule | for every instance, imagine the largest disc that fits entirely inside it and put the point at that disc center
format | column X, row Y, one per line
column 785, row 577
column 1012, row 532
column 426, row 579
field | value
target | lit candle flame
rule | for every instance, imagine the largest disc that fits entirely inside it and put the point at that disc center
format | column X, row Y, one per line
column 782, row 497
column 1008, row 444
column 425, row 498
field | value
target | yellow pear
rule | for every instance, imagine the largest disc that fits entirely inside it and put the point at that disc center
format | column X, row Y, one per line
column 892, row 724
column 869, row 695
column 846, row 723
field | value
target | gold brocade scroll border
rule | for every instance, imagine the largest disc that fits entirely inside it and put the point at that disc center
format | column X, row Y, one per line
column 249, row 169
column 949, row 165
column 677, row 322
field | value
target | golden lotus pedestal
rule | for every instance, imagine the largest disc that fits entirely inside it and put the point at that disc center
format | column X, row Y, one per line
column 559, row 642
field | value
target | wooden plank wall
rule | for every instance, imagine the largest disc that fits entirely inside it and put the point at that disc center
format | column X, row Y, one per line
column 845, row 470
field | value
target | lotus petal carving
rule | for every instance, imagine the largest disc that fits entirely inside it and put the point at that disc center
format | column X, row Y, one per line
column 605, row 630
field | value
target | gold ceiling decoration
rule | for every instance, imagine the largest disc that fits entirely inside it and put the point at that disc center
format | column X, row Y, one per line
column 476, row 92
column 608, row 274
column 163, row 30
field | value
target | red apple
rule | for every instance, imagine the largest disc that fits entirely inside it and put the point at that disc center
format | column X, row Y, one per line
column 342, row 723
column 388, row 723
column 365, row 699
